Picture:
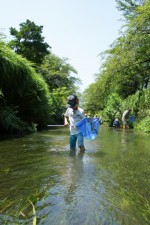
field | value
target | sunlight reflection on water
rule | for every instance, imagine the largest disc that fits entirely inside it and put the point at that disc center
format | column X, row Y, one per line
column 100, row 186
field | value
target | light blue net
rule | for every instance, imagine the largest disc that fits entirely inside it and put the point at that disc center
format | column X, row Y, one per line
column 89, row 127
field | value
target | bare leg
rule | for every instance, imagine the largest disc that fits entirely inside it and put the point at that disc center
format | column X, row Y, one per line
column 82, row 148
column 72, row 152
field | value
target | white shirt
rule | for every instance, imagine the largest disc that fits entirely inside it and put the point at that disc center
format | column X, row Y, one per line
column 74, row 117
column 125, row 114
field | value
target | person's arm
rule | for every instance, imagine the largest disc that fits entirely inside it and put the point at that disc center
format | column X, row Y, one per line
column 66, row 123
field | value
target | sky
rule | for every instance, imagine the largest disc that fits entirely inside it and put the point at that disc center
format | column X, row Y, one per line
column 78, row 30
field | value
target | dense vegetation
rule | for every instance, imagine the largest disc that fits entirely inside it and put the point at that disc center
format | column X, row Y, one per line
column 123, row 81
column 33, row 90
column 34, row 82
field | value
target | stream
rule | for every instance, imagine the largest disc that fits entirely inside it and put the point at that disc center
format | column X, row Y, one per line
column 44, row 183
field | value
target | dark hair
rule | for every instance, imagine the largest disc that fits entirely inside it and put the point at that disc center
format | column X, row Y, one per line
column 72, row 100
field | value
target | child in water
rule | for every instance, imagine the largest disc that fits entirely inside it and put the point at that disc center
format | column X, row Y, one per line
column 116, row 123
column 73, row 115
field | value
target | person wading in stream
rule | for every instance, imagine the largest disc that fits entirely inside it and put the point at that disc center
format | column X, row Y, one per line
column 73, row 115
column 125, row 116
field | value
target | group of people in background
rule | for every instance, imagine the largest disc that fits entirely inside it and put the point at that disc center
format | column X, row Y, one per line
column 125, row 117
column 116, row 123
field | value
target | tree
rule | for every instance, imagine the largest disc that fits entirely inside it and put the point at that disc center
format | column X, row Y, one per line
column 58, row 73
column 129, row 7
column 126, row 66
column 29, row 43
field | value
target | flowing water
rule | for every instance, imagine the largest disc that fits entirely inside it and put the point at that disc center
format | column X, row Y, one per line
column 42, row 182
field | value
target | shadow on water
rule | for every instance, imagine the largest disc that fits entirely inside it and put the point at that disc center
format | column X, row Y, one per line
column 108, row 184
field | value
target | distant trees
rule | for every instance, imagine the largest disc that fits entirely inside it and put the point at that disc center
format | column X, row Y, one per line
column 126, row 65
column 58, row 73
column 29, row 42
column 129, row 7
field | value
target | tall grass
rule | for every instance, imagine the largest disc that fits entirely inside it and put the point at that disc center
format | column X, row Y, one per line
column 21, row 86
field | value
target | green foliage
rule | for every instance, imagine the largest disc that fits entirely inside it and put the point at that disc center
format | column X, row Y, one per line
column 140, row 105
column 58, row 102
column 92, row 99
column 144, row 104
column 57, row 73
column 22, row 87
column 144, row 124
column 10, row 123
column 126, row 65
column 131, row 102
column 9, row 119
column 126, row 68
column 112, row 109
column 31, row 99
column 29, row 43
column 128, row 7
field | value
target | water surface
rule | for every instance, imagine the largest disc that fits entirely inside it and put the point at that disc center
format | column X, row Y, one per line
column 109, row 184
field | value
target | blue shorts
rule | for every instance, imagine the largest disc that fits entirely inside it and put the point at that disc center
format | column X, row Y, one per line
column 74, row 138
